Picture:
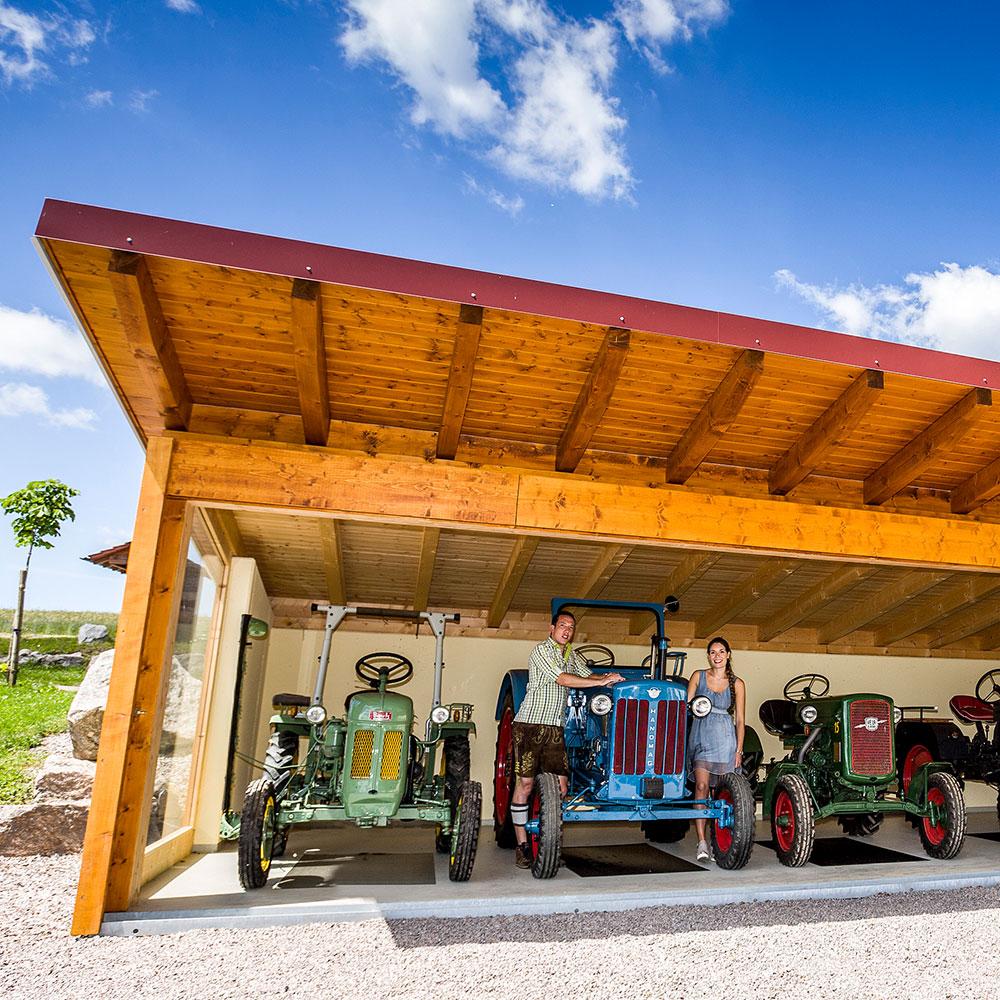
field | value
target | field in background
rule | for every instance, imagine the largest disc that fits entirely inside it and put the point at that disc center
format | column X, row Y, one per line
column 50, row 623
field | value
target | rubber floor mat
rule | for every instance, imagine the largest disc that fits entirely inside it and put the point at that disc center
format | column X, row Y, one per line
column 624, row 859
column 315, row 869
column 829, row 852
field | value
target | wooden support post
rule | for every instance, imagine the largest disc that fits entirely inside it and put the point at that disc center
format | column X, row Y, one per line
column 715, row 417
column 942, row 435
column 828, row 431
column 425, row 570
column 116, row 835
column 309, row 349
column 333, row 561
column 510, row 580
column 593, row 399
column 146, row 330
column 978, row 489
column 463, row 367
column 919, row 617
column 681, row 579
column 751, row 590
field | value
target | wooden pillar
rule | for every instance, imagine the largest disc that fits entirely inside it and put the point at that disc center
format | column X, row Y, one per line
column 116, row 835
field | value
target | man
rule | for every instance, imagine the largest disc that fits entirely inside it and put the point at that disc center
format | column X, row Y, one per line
column 537, row 733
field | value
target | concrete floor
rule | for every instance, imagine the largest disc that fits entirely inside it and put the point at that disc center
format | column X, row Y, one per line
column 342, row 873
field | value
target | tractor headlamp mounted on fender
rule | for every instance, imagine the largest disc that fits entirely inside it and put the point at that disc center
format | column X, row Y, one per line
column 701, row 706
column 316, row 714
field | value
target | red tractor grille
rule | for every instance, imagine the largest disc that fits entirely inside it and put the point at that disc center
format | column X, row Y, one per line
column 871, row 737
column 632, row 736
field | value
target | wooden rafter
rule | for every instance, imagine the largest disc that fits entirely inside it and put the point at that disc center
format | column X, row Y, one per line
column 840, row 580
column 942, row 435
column 425, row 570
column 923, row 615
column 887, row 599
column 749, row 591
column 309, row 350
column 149, row 338
column 678, row 582
column 990, row 638
column 967, row 622
column 832, row 427
column 333, row 560
column 463, row 364
column 226, row 532
column 510, row 579
column 593, row 399
column 601, row 573
column 978, row 489
column 715, row 417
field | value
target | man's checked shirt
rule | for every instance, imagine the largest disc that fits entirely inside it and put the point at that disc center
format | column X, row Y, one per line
column 545, row 701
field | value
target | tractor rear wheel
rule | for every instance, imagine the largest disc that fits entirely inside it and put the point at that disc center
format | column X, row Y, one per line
column 503, row 776
column 793, row 822
column 733, row 845
column 665, row 831
column 465, row 831
column 457, row 757
column 944, row 839
column 546, row 845
column 860, row 824
column 256, row 833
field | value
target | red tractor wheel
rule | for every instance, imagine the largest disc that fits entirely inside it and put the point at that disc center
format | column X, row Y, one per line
column 793, row 823
column 916, row 757
column 732, row 845
column 943, row 839
column 503, row 777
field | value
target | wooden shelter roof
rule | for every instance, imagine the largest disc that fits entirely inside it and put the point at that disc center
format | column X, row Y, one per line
column 209, row 332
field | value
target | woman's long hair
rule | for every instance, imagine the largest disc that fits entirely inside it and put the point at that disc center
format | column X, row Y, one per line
column 730, row 676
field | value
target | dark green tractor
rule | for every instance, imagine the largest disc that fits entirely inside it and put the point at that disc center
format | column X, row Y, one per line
column 367, row 767
column 842, row 762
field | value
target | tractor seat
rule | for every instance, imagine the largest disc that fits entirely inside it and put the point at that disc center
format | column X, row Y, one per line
column 291, row 700
column 970, row 709
column 778, row 717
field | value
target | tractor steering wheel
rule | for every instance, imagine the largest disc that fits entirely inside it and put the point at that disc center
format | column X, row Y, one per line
column 801, row 687
column 988, row 686
column 596, row 655
column 372, row 667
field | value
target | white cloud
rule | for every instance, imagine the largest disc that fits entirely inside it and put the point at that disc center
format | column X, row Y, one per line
column 17, row 399
column 953, row 309
column 24, row 38
column 37, row 343
column 184, row 6
column 512, row 206
column 98, row 99
column 138, row 100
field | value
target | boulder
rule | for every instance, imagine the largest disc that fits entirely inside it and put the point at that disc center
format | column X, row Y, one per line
column 42, row 828
column 29, row 656
column 63, row 778
column 91, row 633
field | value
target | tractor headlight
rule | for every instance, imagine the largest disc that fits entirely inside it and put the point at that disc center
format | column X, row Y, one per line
column 897, row 715
column 440, row 714
column 600, row 704
column 316, row 714
column 807, row 714
column 701, row 706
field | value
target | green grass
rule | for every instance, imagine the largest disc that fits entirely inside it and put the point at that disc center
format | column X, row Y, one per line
column 62, row 623
column 33, row 709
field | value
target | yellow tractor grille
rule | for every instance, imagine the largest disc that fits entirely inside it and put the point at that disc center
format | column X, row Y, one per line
column 361, row 757
column 392, row 746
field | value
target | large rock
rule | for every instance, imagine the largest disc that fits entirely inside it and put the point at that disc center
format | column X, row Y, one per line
column 42, row 828
column 63, row 778
column 91, row 633
column 29, row 656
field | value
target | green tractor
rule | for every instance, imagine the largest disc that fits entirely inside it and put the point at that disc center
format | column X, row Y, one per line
column 842, row 762
column 367, row 767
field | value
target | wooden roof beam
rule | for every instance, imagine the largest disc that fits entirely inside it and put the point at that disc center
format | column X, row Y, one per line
column 602, row 572
column 838, row 582
column 829, row 430
column 593, row 400
column 751, row 590
column 510, row 579
column 309, row 349
column 942, row 435
column 889, row 598
column 980, row 488
column 463, row 365
column 333, row 560
column 919, row 618
column 715, row 417
column 967, row 622
column 425, row 570
column 149, row 338
column 680, row 580
column 990, row 639
column 226, row 532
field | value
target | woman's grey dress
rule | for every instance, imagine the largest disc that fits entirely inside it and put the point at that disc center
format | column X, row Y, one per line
column 712, row 741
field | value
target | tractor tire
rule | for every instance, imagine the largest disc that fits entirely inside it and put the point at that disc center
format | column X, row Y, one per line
column 457, row 757
column 282, row 750
column 465, row 835
column 256, row 833
column 860, row 824
column 280, row 843
column 944, row 840
column 546, row 847
column 793, row 821
column 503, row 777
column 665, row 831
column 733, row 845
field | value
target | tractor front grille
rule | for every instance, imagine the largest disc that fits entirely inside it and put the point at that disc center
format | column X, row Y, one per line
column 871, row 737
column 671, row 732
column 361, row 755
column 392, row 750
column 634, row 734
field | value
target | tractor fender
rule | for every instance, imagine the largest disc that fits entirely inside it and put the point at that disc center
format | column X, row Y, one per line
column 457, row 727
column 514, row 682
column 932, row 734
column 917, row 792
column 751, row 741
column 774, row 772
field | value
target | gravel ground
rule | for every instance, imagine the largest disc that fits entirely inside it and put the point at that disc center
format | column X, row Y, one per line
column 937, row 945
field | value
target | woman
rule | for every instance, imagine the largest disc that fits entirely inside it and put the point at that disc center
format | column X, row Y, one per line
column 716, row 741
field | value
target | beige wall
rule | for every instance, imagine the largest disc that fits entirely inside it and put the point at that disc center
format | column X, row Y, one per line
column 474, row 667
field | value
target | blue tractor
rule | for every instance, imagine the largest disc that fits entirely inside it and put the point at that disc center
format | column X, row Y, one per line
column 627, row 749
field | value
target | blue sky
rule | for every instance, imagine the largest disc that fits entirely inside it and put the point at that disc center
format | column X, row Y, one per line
column 830, row 165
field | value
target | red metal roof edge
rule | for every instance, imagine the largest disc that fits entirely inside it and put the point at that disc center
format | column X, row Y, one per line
column 189, row 241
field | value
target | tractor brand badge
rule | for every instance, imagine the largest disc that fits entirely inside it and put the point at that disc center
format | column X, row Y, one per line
column 377, row 715
column 871, row 724
column 654, row 692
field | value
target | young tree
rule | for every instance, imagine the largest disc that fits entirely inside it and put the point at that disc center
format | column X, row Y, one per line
column 39, row 510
